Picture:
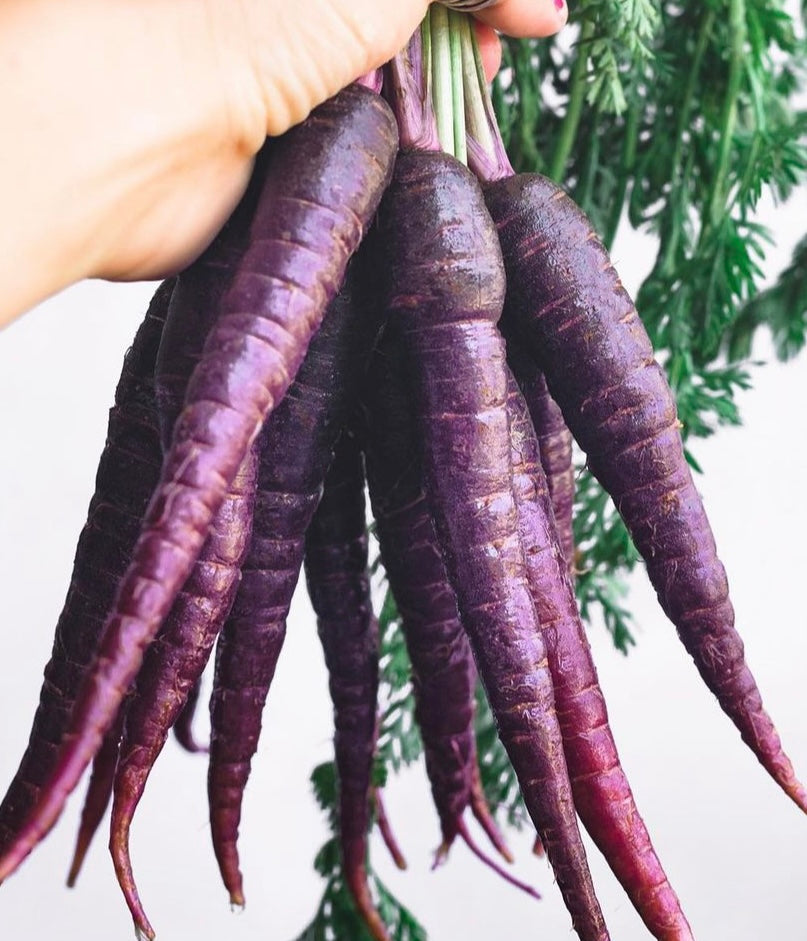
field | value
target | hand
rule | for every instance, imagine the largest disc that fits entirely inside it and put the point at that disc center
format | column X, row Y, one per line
column 135, row 121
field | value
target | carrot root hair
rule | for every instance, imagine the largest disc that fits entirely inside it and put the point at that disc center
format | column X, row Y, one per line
column 462, row 831
column 484, row 817
column 386, row 831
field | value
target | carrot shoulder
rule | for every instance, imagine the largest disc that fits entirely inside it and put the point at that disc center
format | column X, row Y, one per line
column 568, row 306
column 323, row 184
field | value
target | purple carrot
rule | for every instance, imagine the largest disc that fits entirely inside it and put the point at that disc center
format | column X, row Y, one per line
column 338, row 579
column 602, row 794
column 127, row 474
column 445, row 293
column 174, row 662
column 554, row 442
column 568, row 306
column 324, row 180
column 296, row 448
column 443, row 674
column 183, row 727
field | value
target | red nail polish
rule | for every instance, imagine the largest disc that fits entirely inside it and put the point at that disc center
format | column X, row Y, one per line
column 560, row 4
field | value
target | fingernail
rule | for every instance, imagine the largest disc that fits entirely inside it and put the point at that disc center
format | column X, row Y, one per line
column 560, row 4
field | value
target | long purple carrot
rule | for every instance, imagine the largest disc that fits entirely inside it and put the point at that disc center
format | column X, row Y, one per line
column 296, row 448
column 338, row 579
column 445, row 294
column 443, row 674
column 602, row 794
column 128, row 471
column 174, row 662
column 324, row 180
column 554, row 443
column 568, row 306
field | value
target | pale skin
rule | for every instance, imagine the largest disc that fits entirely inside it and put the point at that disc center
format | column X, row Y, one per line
column 130, row 125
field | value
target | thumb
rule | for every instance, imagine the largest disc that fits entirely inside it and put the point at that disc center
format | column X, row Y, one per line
column 304, row 52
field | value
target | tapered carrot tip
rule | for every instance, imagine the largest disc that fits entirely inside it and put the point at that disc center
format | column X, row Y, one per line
column 192, row 745
column 231, row 874
column 356, row 879
column 495, row 836
column 96, row 800
column 121, row 860
column 440, row 855
column 237, row 900
column 79, row 853
column 799, row 794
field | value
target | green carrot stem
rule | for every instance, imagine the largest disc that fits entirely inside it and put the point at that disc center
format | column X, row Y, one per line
column 456, row 22
column 474, row 79
column 487, row 156
column 588, row 174
column 442, row 88
column 716, row 205
column 630, row 141
column 670, row 231
column 574, row 106
column 426, row 52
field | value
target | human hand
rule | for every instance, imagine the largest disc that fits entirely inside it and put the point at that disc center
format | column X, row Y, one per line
column 136, row 121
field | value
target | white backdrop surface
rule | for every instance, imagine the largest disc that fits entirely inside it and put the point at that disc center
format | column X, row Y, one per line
column 734, row 846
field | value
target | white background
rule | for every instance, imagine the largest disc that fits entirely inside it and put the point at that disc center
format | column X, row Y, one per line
column 735, row 848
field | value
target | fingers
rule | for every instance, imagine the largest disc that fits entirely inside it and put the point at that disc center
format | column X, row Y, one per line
column 521, row 17
column 490, row 48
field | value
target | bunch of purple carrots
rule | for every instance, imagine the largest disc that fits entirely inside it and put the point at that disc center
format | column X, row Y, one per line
column 390, row 312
